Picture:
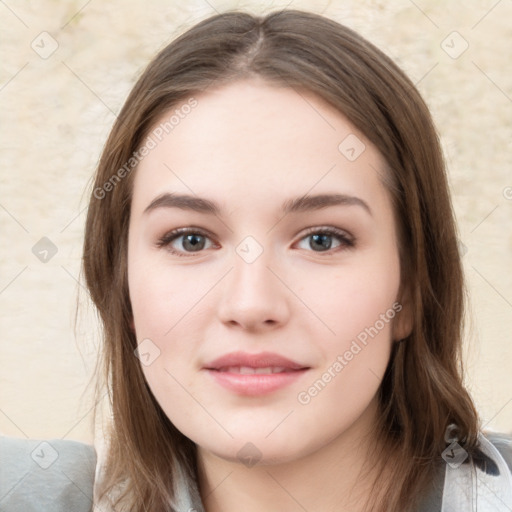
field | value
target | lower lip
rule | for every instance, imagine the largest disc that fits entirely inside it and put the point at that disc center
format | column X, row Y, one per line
column 255, row 384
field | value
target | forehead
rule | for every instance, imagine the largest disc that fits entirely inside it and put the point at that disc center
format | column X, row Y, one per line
column 250, row 139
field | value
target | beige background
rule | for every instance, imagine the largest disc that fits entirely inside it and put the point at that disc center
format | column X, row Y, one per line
column 57, row 111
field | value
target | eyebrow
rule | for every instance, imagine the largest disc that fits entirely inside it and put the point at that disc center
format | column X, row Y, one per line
column 295, row 205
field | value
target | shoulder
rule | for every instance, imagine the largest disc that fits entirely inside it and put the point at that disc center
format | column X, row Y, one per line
column 484, row 479
column 53, row 474
column 503, row 443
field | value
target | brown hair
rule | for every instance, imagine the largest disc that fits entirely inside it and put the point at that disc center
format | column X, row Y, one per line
column 422, row 391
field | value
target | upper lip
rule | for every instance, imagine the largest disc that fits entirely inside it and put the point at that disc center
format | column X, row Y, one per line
column 260, row 360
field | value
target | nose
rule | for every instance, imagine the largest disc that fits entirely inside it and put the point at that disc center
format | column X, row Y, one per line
column 253, row 298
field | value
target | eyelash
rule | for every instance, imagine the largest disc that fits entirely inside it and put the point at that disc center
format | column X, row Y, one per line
column 346, row 242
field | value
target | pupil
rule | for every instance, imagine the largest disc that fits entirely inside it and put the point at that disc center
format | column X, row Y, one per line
column 323, row 242
column 193, row 242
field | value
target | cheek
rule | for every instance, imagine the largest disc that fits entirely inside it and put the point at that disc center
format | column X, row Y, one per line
column 170, row 310
column 352, row 298
column 359, row 307
column 166, row 311
column 162, row 296
column 355, row 355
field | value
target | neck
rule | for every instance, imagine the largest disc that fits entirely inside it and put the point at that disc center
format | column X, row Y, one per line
column 336, row 477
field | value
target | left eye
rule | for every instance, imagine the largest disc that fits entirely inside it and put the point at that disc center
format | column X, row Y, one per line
column 325, row 240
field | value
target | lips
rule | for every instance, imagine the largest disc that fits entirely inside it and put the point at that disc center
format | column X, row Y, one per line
column 245, row 363
column 254, row 374
column 249, row 370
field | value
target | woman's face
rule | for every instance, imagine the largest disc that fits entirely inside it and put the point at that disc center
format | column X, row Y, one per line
column 263, row 272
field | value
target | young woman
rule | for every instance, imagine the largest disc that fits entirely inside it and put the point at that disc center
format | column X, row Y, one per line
column 272, row 250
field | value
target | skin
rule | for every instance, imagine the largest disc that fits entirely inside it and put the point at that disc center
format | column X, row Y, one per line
column 250, row 146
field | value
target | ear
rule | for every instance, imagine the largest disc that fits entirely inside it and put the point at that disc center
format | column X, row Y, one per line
column 132, row 324
column 403, row 322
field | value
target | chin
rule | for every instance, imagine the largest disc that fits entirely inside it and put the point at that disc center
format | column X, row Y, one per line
column 256, row 450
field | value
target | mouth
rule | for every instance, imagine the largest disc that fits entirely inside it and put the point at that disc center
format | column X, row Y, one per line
column 254, row 374
column 248, row 370
column 262, row 362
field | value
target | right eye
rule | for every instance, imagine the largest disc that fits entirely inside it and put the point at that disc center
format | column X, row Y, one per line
column 185, row 241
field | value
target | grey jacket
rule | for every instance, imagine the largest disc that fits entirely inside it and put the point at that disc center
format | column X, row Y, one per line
column 58, row 476
column 53, row 475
